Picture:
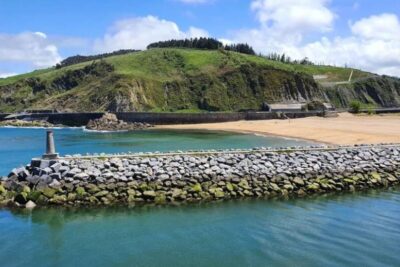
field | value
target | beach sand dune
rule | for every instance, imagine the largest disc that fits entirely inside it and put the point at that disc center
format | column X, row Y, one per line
column 344, row 129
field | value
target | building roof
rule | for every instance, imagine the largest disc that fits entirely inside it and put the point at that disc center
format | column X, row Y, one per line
column 285, row 106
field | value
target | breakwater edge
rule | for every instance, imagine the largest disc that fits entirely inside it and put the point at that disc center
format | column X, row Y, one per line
column 163, row 178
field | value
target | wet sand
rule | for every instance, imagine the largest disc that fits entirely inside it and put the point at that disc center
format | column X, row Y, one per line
column 343, row 130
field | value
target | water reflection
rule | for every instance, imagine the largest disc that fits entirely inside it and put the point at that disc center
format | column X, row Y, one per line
column 360, row 229
column 56, row 217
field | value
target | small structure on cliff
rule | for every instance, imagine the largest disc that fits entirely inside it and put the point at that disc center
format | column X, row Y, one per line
column 297, row 107
column 281, row 107
column 110, row 122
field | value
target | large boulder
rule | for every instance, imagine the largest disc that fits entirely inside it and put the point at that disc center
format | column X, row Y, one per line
column 110, row 122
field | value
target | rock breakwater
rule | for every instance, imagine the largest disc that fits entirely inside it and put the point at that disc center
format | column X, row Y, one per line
column 168, row 178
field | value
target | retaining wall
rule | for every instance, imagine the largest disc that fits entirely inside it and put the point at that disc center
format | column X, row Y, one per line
column 201, row 176
column 381, row 110
column 80, row 119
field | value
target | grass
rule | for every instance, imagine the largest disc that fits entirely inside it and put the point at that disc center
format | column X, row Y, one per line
column 156, row 64
column 148, row 64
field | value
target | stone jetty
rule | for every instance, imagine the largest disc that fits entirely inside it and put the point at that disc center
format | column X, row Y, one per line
column 162, row 178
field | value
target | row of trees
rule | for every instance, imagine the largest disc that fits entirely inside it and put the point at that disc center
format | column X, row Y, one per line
column 203, row 43
column 199, row 43
column 241, row 48
column 196, row 43
column 286, row 59
column 78, row 58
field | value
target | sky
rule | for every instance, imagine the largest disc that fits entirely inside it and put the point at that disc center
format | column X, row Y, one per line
column 364, row 34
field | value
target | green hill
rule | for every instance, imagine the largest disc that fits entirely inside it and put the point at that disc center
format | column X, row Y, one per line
column 189, row 80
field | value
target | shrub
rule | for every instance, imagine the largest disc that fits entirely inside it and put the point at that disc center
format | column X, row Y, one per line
column 355, row 106
column 371, row 109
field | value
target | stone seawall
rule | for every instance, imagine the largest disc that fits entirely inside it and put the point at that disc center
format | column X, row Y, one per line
column 81, row 119
column 200, row 176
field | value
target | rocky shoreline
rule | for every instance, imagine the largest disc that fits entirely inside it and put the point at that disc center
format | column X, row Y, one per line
column 23, row 123
column 194, row 177
column 110, row 122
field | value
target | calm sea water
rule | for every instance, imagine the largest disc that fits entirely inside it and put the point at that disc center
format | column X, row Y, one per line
column 350, row 230
column 338, row 230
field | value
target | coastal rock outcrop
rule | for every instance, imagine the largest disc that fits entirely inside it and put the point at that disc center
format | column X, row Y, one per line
column 203, row 176
column 110, row 122
column 24, row 123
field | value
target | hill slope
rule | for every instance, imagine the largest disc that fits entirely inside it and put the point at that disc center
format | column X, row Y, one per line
column 189, row 80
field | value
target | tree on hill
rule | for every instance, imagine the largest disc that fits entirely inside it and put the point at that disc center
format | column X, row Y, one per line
column 240, row 48
column 286, row 59
column 79, row 59
column 199, row 43
column 203, row 43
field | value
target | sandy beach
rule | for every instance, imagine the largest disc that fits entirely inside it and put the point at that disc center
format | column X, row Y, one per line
column 344, row 129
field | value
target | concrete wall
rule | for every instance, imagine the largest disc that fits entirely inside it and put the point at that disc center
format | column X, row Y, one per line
column 70, row 119
column 180, row 118
column 79, row 119
column 184, row 118
column 383, row 110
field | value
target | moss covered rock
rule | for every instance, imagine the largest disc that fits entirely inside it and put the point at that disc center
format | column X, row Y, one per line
column 197, row 188
column 48, row 192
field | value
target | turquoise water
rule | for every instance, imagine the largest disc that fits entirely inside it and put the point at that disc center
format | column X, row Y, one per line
column 348, row 230
column 19, row 145
column 338, row 230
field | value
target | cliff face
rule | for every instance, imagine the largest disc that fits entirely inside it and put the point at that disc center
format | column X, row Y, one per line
column 98, row 88
column 246, row 87
column 58, row 92
column 380, row 91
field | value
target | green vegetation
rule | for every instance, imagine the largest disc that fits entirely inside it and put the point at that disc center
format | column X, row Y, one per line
column 188, row 80
column 355, row 106
column 79, row 59
column 203, row 43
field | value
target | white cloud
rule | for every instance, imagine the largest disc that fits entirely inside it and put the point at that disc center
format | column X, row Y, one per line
column 294, row 15
column 30, row 47
column 374, row 44
column 7, row 74
column 383, row 27
column 196, row 32
column 137, row 33
column 285, row 22
column 379, row 56
column 225, row 41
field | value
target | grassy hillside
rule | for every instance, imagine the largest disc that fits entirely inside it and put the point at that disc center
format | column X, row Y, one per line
column 170, row 80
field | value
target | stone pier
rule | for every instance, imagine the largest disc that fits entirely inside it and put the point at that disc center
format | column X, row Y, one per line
column 201, row 176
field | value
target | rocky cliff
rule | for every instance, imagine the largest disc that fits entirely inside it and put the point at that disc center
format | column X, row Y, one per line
column 379, row 91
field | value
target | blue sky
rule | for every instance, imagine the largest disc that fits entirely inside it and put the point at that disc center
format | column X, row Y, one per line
column 359, row 33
